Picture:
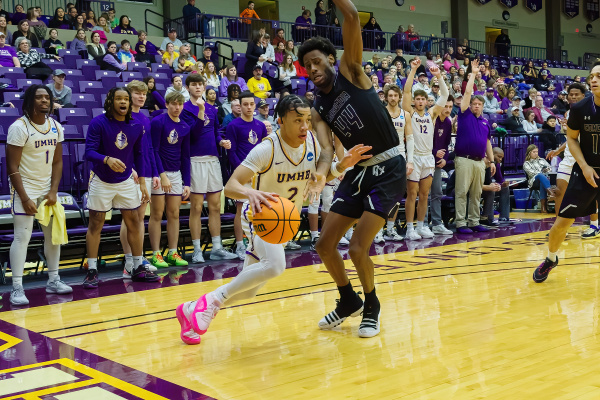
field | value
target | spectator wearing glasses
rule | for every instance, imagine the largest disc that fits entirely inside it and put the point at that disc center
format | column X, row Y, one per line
column 233, row 93
column 59, row 21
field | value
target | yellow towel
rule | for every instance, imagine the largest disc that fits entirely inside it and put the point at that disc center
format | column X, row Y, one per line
column 59, row 226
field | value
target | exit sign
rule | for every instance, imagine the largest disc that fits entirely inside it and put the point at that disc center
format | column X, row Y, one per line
column 412, row 8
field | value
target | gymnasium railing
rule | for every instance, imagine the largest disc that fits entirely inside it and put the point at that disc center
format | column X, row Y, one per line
column 517, row 51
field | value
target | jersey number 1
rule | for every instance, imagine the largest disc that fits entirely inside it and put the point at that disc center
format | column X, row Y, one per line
column 47, row 155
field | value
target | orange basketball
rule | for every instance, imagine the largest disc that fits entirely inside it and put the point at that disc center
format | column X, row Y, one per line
column 278, row 224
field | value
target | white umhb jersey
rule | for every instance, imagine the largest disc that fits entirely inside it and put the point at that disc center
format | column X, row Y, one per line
column 282, row 169
column 400, row 124
column 38, row 143
column 423, row 133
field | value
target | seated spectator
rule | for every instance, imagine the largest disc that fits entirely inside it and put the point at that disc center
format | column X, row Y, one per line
column 321, row 13
column 249, row 12
column 53, row 44
column 385, row 67
column 448, row 63
column 19, row 15
column 125, row 27
column 72, row 13
column 456, row 105
column 396, row 78
column 213, row 78
column 207, row 56
column 110, row 61
column 151, row 49
column 79, row 42
column 31, row 60
column 429, row 63
column 60, row 93
column 548, row 135
column 91, row 20
column 517, row 75
column 229, row 78
column 150, row 103
column 460, row 55
column 508, row 99
column 375, row 82
column 529, row 124
column 236, row 112
column 537, row 168
column 23, row 31
column 4, row 29
column 233, row 92
column 542, row 83
column 560, row 105
column 545, row 68
column 169, row 56
column 79, row 23
column 112, row 18
column 422, row 84
column 541, row 112
column 493, row 185
column 185, row 62
column 279, row 38
column 59, row 21
column 490, row 103
column 514, row 123
column 102, row 28
column 373, row 35
column 263, row 114
column 95, row 49
column 522, row 86
column 517, row 103
column 280, row 52
column 435, row 90
column 530, row 72
column 290, row 49
column 143, row 56
column 400, row 58
column 303, row 26
column 254, row 53
column 287, row 71
column 177, row 86
column 8, row 55
column 269, row 50
column 530, row 100
column 417, row 45
column 455, row 88
column 124, row 54
column 198, row 68
column 33, row 17
column 259, row 86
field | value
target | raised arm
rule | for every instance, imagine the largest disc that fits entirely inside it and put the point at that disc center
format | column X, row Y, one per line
column 466, row 101
column 351, row 62
column 441, row 102
column 407, row 92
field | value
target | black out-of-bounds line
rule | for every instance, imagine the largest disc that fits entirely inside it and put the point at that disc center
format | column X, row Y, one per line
column 303, row 287
column 287, row 297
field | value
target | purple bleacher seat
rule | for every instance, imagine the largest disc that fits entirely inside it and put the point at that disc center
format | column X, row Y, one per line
column 108, row 78
column 159, row 86
column 71, row 132
column 299, row 86
column 137, row 66
column 128, row 76
column 164, row 68
column 77, row 97
column 88, row 106
column 97, row 111
column 92, row 87
column 121, row 84
column 103, row 98
column 159, row 99
column 66, row 114
column 239, row 60
column 25, row 83
column 87, row 62
column 10, row 96
column 55, row 64
column 89, row 71
column 272, row 101
column 8, row 116
column 84, row 130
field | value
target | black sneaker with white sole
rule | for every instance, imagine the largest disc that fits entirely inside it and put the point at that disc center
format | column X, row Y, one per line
column 345, row 309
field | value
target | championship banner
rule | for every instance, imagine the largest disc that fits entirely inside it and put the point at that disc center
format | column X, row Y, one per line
column 509, row 3
column 571, row 8
column 534, row 5
column 592, row 9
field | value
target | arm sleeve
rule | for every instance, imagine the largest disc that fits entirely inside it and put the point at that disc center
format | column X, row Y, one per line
column 73, row 45
column 138, row 155
column 410, row 148
column 250, row 52
column 443, row 93
column 185, row 160
column 92, row 145
column 232, row 152
column 156, row 130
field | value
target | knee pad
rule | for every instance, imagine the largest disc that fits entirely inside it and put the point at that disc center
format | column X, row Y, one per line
column 313, row 208
column 22, row 235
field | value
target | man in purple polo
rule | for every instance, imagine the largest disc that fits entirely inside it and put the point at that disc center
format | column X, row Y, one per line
column 472, row 146
column 8, row 55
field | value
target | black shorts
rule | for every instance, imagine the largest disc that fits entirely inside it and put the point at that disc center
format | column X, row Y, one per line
column 375, row 189
column 580, row 197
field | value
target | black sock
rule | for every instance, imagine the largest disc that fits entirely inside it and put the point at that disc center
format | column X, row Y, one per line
column 371, row 300
column 346, row 292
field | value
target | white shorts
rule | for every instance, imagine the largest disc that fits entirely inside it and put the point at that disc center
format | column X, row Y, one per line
column 424, row 167
column 148, row 186
column 104, row 197
column 564, row 169
column 176, row 184
column 327, row 197
column 206, row 175
column 36, row 195
column 253, row 238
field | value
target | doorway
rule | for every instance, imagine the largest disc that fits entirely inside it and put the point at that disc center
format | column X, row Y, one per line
column 490, row 38
column 266, row 9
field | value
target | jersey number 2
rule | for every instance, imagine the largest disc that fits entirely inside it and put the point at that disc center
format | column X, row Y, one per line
column 294, row 193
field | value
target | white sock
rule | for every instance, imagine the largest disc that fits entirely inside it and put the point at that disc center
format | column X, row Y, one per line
column 390, row 226
column 409, row 226
column 594, row 223
column 221, row 294
column 92, row 263
column 216, row 242
column 419, row 224
column 551, row 256
column 314, row 234
column 137, row 261
column 240, row 244
column 128, row 258
column 17, row 281
column 197, row 246
column 172, row 251
column 53, row 276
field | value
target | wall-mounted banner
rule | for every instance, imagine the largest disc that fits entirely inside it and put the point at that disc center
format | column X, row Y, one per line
column 505, row 24
column 571, row 8
column 592, row 9
column 534, row 5
column 509, row 3
column 483, row 1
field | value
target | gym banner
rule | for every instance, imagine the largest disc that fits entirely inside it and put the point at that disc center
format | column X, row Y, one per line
column 534, row 5
column 509, row 3
column 571, row 8
column 592, row 9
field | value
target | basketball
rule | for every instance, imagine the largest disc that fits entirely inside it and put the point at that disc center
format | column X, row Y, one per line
column 278, row 224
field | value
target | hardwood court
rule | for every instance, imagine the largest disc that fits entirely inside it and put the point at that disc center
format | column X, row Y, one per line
column 460, row 321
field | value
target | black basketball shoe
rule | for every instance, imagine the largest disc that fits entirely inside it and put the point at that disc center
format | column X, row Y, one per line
column 541, row 272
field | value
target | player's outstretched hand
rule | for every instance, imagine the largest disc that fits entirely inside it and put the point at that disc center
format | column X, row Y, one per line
column 115, row 164
column 475, row 65
column 590, row 175
column 257, row 197
column 409, row 168
column 355, row 155
column 186, row 193
column 435, row 71
column 314, row 187
column 414, row 64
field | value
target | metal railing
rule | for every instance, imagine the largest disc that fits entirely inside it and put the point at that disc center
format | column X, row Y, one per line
column 515, row 50
column 589, row 59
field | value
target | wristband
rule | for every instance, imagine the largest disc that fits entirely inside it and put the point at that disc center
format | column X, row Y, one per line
column 334, row 171
column 106, row 159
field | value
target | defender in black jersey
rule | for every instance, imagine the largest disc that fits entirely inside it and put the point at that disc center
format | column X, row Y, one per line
column 583, row 137
column 347, row 105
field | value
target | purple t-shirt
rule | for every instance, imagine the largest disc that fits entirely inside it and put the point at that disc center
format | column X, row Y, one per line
column 117, row 139
column 302, row 21
column 225, row 84
column 442, row 136
column 472, row 134
column 171, row 142
column 147, row 149
column 6, row 56
column 244, row 136
column 204, row 135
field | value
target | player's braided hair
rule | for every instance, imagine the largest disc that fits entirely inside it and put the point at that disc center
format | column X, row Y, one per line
column 290, row 103
column 29, row 100
column 110, row 102
column 316, row 43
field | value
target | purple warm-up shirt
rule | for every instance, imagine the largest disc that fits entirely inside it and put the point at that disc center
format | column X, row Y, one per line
column 204, row 135
column 171, row 142
column 147, row 149
column 117, row 139
column 472, row 134
column 442, row 136
column 244, row 136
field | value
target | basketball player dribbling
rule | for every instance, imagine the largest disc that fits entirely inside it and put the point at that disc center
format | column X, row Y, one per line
column 347, row 105
column 582, row 193
column 293, row 154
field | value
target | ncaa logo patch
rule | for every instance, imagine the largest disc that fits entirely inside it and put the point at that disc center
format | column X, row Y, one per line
column 310, row 156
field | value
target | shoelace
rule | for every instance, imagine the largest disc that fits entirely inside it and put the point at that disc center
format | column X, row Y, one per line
column 209, row 313
column 176, row 256
column 159, row 257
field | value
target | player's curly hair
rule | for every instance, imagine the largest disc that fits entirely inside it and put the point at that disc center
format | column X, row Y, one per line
column 316, row 43
column 290, row 103
column 29, row 100
column 110, row 102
